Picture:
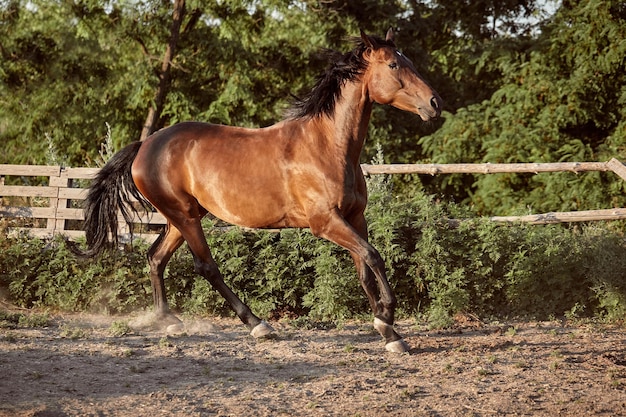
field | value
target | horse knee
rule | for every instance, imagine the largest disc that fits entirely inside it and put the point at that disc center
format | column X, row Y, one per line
column 375, row 261
column 208, row 270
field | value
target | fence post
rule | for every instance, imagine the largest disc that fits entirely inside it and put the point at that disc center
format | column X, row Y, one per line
column 57, row 225
column 617, row 167
column 1, row 185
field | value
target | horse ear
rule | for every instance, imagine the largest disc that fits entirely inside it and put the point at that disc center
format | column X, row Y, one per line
column 368, row 41
column 390, row 36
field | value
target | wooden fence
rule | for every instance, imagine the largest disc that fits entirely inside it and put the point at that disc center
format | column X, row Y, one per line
column 47, row 210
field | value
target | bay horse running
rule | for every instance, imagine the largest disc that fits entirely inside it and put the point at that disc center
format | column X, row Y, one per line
column 302, row 172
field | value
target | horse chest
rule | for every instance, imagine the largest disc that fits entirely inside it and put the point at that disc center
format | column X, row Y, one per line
column 349, row 191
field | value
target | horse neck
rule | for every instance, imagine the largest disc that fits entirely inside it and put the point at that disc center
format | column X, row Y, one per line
column 348, row 124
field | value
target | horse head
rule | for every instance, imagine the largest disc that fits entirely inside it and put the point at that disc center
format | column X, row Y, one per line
column 391, row 78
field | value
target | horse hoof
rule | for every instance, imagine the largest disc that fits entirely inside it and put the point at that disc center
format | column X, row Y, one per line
column 262, row 329
column 397, row 346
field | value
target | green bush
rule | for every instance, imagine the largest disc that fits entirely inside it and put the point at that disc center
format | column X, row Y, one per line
column 46, row 274
column 440, row 268
column 437, row 267
column 286, row 273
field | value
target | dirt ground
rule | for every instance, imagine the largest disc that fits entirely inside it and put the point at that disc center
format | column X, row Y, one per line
column 76, row 366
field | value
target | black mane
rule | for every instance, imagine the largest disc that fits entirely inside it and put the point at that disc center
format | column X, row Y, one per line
column 327, row 90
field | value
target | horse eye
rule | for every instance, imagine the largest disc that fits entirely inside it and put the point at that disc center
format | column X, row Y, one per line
column 393, row 65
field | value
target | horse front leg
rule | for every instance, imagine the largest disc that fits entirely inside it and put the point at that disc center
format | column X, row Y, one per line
column 383, row 311
column 371, row 271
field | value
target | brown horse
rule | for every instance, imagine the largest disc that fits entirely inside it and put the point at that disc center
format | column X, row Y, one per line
column 301, row 172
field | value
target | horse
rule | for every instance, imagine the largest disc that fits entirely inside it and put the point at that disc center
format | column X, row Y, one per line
column 302, row 172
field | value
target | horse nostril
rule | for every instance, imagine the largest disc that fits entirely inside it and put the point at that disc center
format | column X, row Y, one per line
column 434, row 102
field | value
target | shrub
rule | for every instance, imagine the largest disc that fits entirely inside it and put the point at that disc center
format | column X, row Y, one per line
column 438, row 268
column 39, row 273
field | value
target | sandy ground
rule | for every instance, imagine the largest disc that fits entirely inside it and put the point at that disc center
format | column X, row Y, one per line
column 75, row 366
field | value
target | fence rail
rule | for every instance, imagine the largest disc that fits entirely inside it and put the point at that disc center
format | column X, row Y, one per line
column 47, row 210
column 62, row 209
column 534, row 168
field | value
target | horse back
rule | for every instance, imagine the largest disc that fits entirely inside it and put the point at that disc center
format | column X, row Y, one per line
column 272, row 177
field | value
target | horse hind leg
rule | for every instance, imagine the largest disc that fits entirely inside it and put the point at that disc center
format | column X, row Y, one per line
column 206, row 267
column 158, row 256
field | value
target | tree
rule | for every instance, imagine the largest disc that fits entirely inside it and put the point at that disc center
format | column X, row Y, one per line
column 67, row 69
column 69, row 66
column 562, row 98
column 165, row 78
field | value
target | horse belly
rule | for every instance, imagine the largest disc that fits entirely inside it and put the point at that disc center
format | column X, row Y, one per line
column 249, row 202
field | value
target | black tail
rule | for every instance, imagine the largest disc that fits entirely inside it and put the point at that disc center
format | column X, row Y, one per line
column 112, row 190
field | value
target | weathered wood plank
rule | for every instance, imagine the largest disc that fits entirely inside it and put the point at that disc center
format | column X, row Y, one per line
column 81, row 173
column 617, row 167
column 30, row 170
column 27, row 191
column 430, row 169
column 73, row 193
column 435, row 169
column 71, row 214
column 75, row 234
column 565, row 216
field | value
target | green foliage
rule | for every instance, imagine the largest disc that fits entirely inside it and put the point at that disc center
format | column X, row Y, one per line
column 69, row 68
column 119, row 329
column 66, row 70
column 560, row 98
column 516, row 90
column 39, row 273
column 437, row 267
column 440, row 269
column 10, row 320
column 72, row 332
